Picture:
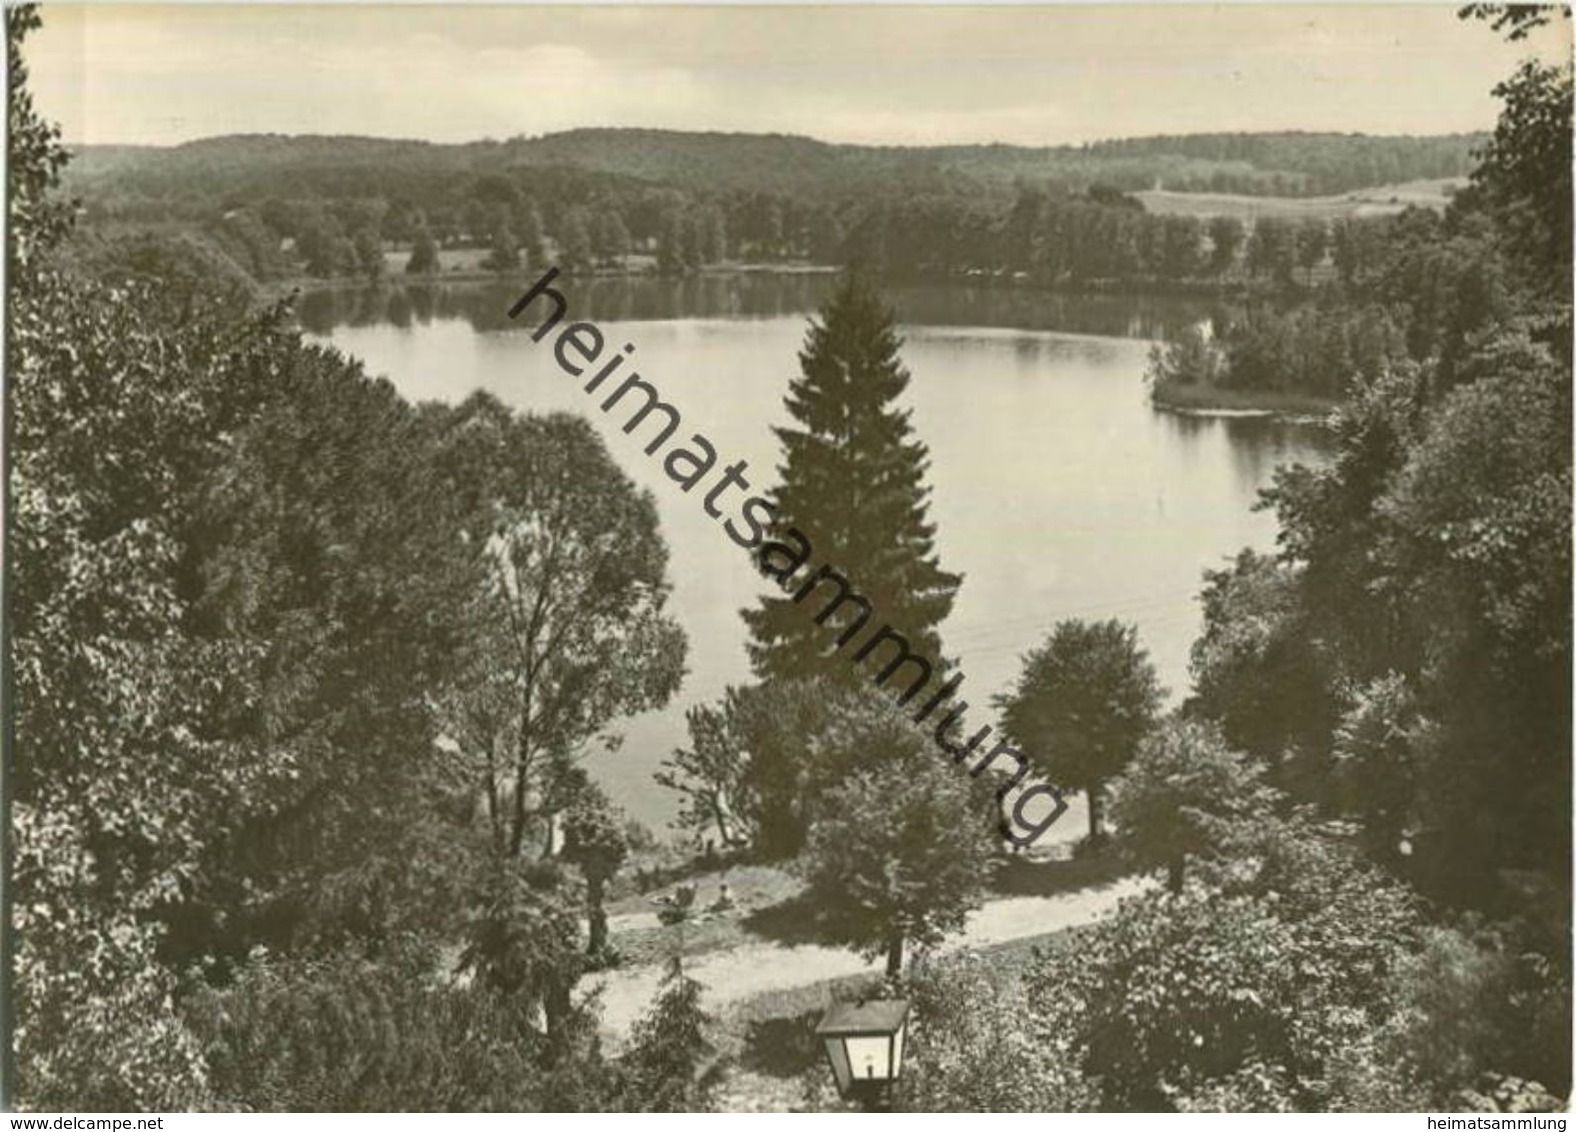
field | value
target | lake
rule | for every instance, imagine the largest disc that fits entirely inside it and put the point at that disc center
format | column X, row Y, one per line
column 1056, row 489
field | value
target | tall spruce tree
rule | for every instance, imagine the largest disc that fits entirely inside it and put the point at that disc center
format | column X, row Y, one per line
column 853, row 484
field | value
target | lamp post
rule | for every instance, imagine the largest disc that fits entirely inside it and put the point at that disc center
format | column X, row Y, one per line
column 864, row 1043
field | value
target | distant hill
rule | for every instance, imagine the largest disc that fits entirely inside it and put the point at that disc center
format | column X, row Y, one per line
column 1126, row 212
column 1282, row 164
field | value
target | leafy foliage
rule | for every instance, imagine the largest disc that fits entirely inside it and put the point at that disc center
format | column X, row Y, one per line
column 711, row 776
column 34, row 159
column 764, row 756
column 1083, row 702
column 1251, row 673
column 247, row 586
column 1256, row 984
column 340, row 1033
column 595, row 842
column 1180, row 795
column 523, row 939
column 898, row 851
column 972, row 1047
column 424, row 254
column 1473, row 1002
column 129, row 767
column 1406, row 639
column 1375, row 748
column 570, row 630
column 1524, row 172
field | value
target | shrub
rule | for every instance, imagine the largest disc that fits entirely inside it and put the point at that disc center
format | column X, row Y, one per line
column 973, row 1047
column 1242, row 994
column 670, row 1065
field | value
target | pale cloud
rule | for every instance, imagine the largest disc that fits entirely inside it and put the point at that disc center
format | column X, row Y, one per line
column 1031, row 75
column 933, row 127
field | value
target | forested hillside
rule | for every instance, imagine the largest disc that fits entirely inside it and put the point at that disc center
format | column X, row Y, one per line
column 333, row 206
column 1290, row 164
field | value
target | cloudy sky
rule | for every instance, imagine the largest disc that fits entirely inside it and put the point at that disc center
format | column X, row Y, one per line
column 885, row 75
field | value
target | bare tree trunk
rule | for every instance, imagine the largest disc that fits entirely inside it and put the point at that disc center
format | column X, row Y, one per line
column 556, row 1010
column 1095, row 801
column 1174, row 875
column 522, row 768
column 596, row 915
column 494, row 819
column 720, row 821
column 517, row 824
column 894, row 967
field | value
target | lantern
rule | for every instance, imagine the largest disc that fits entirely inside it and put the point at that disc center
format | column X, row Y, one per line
column 864, row 1042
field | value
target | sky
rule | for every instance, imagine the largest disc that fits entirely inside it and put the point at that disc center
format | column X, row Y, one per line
column 886, row 75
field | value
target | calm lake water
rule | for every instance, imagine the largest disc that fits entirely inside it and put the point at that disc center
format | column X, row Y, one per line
column 1058, row 491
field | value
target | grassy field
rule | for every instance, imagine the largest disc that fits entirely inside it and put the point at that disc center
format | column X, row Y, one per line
column 1380, row 201
column 753, row 889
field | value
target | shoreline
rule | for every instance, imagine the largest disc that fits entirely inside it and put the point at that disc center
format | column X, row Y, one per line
column 278, row 288
column 1104, row 288
column 1214, row 402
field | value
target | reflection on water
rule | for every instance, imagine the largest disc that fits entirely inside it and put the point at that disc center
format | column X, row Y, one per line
column 1255, row 445
column 748, row 295
column 1057, row 491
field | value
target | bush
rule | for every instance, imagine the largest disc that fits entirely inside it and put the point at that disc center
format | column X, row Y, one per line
column 974, row 1048
column 341, row 1033
column 1242, row 994
column 1475, row 1005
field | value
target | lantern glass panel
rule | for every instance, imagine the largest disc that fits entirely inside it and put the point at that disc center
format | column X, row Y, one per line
column 870, row 1057
column 838, row 1052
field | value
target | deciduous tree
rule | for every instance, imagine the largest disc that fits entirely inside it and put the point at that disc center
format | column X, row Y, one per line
column 1179, row 796
column 573, row 632
column 424, row 255
column 898, row 851
column 594, row 842
column 1084, row 701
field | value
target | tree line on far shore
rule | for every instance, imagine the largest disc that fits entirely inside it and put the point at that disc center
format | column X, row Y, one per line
column 273, row 208
column 1419, row 289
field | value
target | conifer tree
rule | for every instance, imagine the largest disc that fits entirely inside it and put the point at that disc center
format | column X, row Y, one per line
column 670, row 1064
column 853, row 486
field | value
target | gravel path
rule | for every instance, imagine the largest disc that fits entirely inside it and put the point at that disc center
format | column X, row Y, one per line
column 743, row 972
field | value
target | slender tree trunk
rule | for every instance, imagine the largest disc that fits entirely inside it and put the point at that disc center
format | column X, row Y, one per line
column 894, row 968
column 724, row 834
column 522, row 767
column 495, row 832
column 517, row 822
column 595, row 914
column 1095, row 802
column 1174, row 875
column 556, row 1010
